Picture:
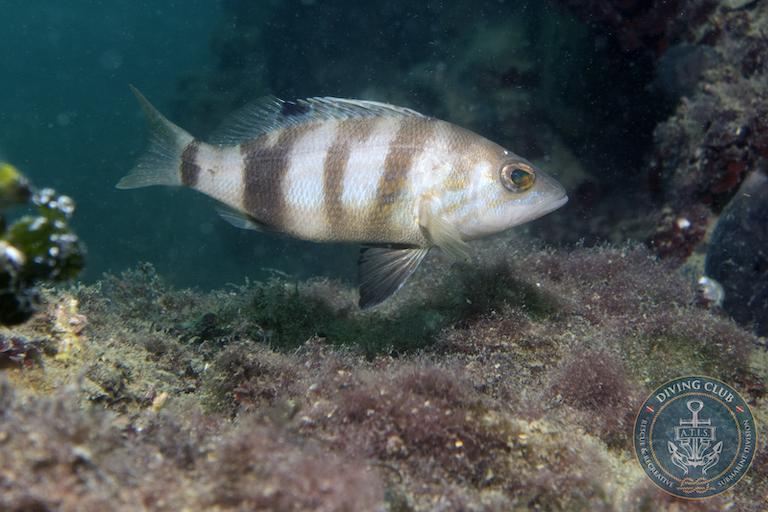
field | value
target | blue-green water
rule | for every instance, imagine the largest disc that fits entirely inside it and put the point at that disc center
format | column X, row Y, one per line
column 68, row 120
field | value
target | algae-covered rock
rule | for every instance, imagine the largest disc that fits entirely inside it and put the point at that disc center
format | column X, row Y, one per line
column 522, row 395
column 33, row 248
column 718, row 134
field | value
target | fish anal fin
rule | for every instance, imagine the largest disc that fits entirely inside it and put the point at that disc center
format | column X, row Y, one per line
column 241, row 220
column 382, row 271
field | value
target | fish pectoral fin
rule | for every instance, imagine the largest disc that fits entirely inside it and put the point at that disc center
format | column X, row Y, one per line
column 443, row 234
column 240, row 220
column 382, row 271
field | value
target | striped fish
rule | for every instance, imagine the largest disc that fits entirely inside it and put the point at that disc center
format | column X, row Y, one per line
column 340, row 170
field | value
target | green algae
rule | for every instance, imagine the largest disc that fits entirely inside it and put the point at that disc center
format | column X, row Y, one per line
column 285, row 319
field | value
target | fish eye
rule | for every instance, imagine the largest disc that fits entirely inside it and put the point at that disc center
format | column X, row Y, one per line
column 517, row 178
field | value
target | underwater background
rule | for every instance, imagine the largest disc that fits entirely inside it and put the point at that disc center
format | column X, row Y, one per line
column 527, row 74
column 192, row 365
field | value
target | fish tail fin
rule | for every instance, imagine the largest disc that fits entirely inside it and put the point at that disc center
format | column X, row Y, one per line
column 162, row 163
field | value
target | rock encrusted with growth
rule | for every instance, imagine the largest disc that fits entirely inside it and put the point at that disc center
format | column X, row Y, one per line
column 511, row 384
column 711, row 60
column 719, row 133
column 643, row 25
column 34, row 248
column 711, row 64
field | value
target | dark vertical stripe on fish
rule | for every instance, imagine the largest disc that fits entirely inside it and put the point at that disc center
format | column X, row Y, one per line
column 264, row 168
column 407, row 145
column 335, row 165
column 189, row 169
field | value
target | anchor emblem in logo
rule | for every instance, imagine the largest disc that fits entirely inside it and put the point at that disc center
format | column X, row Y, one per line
column 694, row 438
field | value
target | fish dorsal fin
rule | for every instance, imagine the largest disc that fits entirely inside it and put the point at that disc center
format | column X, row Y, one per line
column 382, row 271
column 248, row 122
column 271, row 113
column 342, row 108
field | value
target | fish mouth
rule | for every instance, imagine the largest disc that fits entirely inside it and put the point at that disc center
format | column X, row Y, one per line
column 558, row 202
column 550, row 206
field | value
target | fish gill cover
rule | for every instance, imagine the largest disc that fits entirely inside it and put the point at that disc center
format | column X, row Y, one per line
column 507, row 383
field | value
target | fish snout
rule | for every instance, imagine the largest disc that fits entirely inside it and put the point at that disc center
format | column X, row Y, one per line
column 552, row 194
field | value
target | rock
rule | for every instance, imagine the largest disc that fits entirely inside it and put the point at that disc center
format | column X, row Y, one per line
column 735, row 5
column 738, row 254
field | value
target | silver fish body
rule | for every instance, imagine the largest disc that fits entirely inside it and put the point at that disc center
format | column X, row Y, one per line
column 329, row 169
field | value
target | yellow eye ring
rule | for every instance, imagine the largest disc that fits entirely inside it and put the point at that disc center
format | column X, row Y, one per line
column 517, row 178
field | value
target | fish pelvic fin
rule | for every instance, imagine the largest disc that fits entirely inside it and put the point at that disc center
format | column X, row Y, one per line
column 383, row 271
column 163, row 162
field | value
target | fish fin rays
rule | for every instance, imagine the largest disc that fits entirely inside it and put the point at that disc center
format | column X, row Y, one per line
column 161, row 164
column 383, row 271
column 241, row 220
column 270, row 113
column 444, row 235
column 248, row 122
column 343, row 108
